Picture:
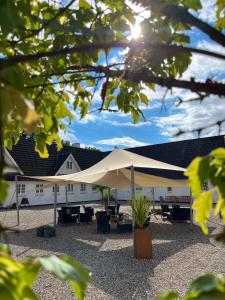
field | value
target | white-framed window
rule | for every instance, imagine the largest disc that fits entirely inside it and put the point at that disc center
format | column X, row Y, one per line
column 39, row 188
column 94, row 190
column 21, row 188
column 69, row 165
column 205, row 186
column 138, row 188
column 70, row 188
column 57, row 189
column 169, row 189
column 83, row 187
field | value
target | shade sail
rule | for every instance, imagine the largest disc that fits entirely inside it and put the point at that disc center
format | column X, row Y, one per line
column 112, row 172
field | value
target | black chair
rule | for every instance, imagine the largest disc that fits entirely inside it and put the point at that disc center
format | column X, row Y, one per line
column 103, row 225
column 165, row 211
column 180, row 214
column 71, row 210
column 65, row 218
column 88, row 210
column 24, row 202
column 175, row 206
column 114, row 210
column 85, row 218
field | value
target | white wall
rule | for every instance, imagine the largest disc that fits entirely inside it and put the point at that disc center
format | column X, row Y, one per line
column 47, row 197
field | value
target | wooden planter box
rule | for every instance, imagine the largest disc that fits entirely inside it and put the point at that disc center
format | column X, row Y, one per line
column 142, row 243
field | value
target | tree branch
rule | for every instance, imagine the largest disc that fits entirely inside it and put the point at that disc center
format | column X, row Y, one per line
column 200, row 129
column 181, row 14
column 208, row 87
column 12, row 60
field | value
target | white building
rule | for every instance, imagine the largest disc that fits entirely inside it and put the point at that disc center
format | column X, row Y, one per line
column 74, row 159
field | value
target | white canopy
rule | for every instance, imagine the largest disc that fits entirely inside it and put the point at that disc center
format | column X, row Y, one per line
column 112, row 172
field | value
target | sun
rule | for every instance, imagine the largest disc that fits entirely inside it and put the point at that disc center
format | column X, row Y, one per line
column 135, row 31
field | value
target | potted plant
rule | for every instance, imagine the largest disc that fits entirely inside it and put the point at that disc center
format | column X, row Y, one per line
column 141, row 210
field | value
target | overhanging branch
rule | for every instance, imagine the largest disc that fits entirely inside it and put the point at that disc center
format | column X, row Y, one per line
column 13, row 60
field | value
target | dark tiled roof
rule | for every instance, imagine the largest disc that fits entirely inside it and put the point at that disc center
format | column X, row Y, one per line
column 179, row 153
column 32, row 165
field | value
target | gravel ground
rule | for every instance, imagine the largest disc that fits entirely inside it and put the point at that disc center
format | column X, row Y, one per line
column 180, row 254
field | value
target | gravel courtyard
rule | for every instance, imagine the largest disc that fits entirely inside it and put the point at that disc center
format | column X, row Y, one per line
column 180, row 254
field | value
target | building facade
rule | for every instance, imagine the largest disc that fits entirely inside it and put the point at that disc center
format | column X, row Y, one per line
column 71, row 159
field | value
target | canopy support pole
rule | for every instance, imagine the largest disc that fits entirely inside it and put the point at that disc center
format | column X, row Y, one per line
column 153, row 201
column 191, row 211
column 132, row 188
column 17, row 202
column 116, row 201
column 66, row 194
column 55, row 203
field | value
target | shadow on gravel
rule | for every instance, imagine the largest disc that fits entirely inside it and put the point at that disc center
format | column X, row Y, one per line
column 110, row 257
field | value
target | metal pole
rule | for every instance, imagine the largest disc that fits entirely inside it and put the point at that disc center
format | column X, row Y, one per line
column 153, row 200
column 55, row 203
column 116, row 201
column 66, row 194
column 17, row 202
column 191, row 211
column 132, row 188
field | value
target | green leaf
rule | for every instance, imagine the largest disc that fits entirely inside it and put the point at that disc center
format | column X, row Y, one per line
column 205, row 284
column 66, row 268
column 193, row 4
column 203, row 205
column 169, row 296
column 144, row 98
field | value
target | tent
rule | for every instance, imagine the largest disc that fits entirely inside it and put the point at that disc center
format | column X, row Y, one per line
column 116, row 170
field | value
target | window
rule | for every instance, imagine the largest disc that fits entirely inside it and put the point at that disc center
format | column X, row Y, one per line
column 57, row 189
column 69, row 165
column 21, row 188
column 169, row 189
column 39, row 189
column 94, row 190
column 205, row 186
column 138, row 188
column 83, row 187
column 70, row 187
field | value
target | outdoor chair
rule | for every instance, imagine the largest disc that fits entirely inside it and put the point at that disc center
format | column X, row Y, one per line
column 180, row 214
column 85, row 218
column 24, row 202
column 89, row 210
column 175, row 206
column 65, row 218
column 165, row 211
column 103, row 225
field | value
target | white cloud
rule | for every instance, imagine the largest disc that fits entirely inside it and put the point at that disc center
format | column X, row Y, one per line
column 69, row 135
column 203, row 67
column 124, row 141
column 208, row 11
column 191, row 116
column 85, row 120
column 127, row 124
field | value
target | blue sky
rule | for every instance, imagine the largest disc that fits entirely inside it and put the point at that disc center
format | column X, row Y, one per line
column 106, row 130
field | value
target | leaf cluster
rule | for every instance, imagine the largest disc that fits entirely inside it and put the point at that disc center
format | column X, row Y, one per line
column 141, row 209
column 17, row 278
column 208, row 168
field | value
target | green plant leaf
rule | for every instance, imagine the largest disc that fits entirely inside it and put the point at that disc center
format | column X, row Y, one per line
column 203, row 205
column 66, row 268
column 168, row 296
